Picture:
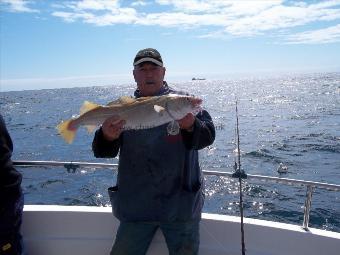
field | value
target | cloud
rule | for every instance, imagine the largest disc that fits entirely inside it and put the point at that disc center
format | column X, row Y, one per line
column 97, row 12
column 72, row 17
column 274, row 18
column 325, row 35
column 140, row 3
column 230, row 7
column 93, row 5
column 17, row 6
column 221, row 18
column 188, row 5
column 180, row 20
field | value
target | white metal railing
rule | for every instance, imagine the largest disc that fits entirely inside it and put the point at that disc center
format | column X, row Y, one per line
column 72, row 166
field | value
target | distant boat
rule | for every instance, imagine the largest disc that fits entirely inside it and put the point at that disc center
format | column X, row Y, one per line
column 198, row 79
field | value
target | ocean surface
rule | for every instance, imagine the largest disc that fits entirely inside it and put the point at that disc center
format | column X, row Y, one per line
column 290, row 119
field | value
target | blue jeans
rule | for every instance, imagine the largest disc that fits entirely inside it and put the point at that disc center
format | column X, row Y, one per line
column 134, row 238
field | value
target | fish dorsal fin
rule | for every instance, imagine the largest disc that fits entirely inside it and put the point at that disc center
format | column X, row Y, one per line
column 172, row 95
column 126, row 100
column 122, row 100
column 149, row 99
column 159, row 108
column 145, row 98
column 87, row 106
column 176, row 95
column 114, row 102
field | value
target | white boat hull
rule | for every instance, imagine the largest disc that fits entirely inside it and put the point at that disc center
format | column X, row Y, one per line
column 55, row 230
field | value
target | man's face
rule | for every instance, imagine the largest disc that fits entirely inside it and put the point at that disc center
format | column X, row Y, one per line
column 149, row 78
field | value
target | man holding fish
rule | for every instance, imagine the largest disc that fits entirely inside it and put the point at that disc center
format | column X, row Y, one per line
column 159, row 183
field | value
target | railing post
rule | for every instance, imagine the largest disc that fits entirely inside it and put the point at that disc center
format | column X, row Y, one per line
column 71, row 168
column 308, row 204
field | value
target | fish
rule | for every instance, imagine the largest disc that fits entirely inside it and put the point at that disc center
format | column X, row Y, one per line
column 138, row 113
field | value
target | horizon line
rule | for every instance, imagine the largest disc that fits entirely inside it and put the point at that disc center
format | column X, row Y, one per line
column 78, row 81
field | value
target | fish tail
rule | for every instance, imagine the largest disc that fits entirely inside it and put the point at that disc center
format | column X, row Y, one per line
column 66, row 132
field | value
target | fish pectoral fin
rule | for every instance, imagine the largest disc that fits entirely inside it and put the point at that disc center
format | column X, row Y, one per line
column 91, row 128
column 66, row 132
column 173, row 128
column 88, row 106
column 159, row 108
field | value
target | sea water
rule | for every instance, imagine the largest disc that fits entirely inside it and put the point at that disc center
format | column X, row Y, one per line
column 288, row 119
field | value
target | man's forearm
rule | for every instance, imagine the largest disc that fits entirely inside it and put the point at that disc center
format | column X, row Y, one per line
column 103, row 148
column 202, row 134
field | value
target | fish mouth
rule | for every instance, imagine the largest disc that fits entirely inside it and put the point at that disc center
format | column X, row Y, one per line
column 196, row 104
column 195, row 101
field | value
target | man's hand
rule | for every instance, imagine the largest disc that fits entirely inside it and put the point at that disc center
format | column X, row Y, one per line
column 187, row 122
column 112, row 128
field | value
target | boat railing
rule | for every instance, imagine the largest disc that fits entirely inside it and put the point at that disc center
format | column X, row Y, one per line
column 71, row 166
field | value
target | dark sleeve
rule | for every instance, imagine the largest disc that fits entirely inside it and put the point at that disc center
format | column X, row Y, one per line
column 203, row 133
column 103, row 148
column 10, row 178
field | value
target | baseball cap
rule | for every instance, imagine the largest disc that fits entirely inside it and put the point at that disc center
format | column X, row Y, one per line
column 148, row 55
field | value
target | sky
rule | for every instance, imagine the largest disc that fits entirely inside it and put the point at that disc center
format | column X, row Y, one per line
column 56, row 44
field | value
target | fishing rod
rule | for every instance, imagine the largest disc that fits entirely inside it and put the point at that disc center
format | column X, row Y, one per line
column 240, row 174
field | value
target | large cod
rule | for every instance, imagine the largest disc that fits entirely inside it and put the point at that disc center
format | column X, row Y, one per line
column 140, row 113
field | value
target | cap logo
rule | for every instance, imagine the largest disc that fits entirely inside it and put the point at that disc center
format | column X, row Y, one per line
column 148, row 53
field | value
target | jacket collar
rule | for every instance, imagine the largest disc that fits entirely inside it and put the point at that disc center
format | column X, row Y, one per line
column 163, row 91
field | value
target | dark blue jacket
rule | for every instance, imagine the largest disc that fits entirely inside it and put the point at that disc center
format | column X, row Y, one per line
column 11, row 197
column 159, row 177
column 10, row 178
